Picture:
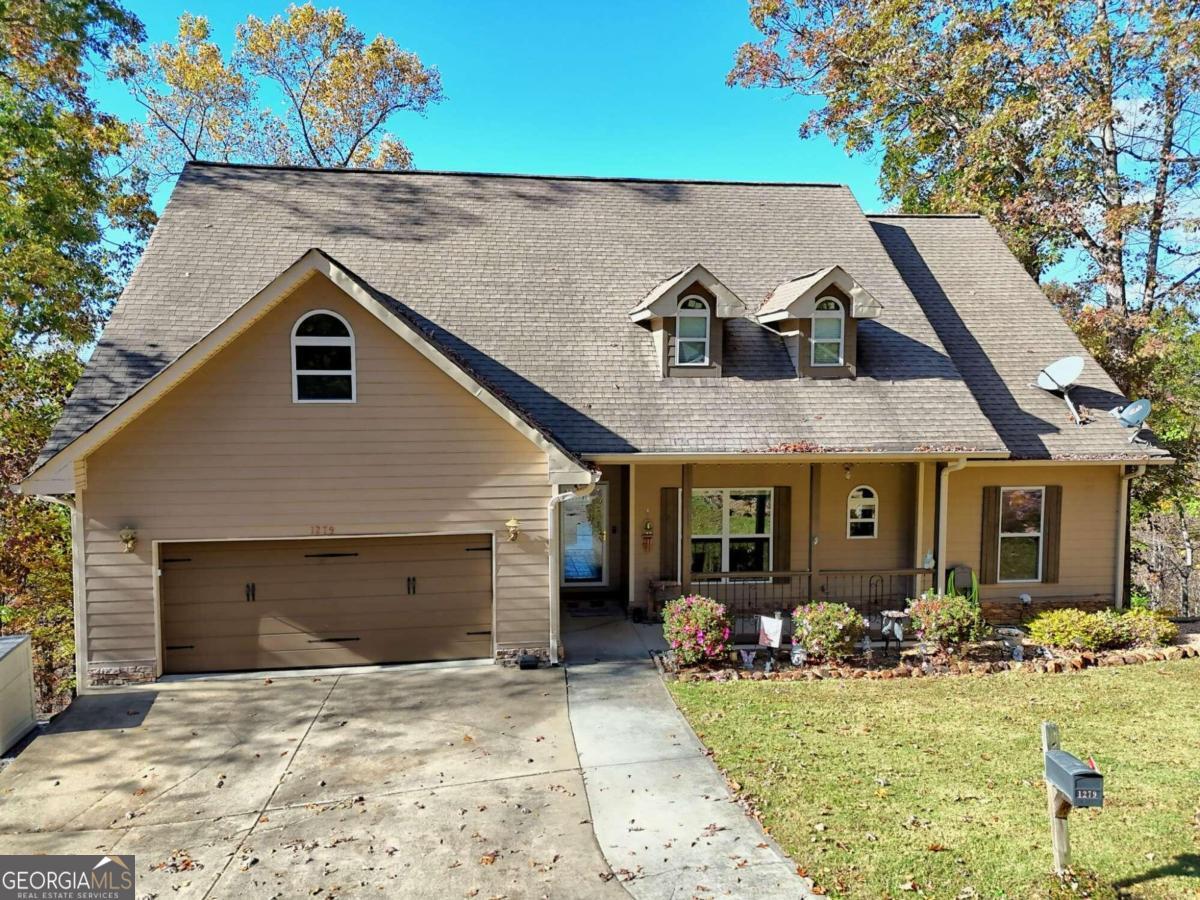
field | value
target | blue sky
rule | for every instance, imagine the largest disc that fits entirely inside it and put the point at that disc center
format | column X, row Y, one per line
column 621, row 88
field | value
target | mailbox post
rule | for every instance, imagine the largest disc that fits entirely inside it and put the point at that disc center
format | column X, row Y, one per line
column 1070, row 783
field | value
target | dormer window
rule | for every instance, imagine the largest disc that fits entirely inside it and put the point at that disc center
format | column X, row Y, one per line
column 692, row 338
column 820, row 315
column 828, row 333
column 685, row 316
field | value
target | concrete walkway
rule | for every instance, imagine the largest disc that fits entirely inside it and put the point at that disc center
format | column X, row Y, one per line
column 662, row 813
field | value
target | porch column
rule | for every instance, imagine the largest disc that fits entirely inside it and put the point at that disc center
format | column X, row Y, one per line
column 685, row 529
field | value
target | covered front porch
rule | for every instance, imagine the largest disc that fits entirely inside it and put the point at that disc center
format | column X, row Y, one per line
column 762, row 537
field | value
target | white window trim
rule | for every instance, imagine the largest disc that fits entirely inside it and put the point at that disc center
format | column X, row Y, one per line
column 600, row 493
column 840, row 315
column 706, row 314
column 1041, row 535
column 851, row 504
column 324, row 342
column 725, row 537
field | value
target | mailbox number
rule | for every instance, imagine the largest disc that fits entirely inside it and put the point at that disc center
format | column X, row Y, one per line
column 1087, row 794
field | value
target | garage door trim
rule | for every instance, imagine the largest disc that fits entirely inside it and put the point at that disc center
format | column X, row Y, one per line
column 157, row 546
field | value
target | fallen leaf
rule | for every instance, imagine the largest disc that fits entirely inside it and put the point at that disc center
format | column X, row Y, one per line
column 489, row 858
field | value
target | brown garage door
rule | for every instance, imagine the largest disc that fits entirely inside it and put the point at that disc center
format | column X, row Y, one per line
column 235, row 605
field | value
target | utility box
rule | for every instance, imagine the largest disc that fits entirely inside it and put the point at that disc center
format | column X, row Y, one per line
column 18, row 706
column 1082, row 785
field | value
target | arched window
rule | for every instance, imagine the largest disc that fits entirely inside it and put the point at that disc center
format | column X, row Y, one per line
column 322, row 359
column 691, row 332
column 828, row 328
column 862, row 513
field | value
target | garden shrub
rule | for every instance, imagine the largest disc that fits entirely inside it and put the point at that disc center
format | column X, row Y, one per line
column 1074, row 629
column 1148, row 628
column 948, row 620
column 1071, row 629
column 697, row 629
column 827, row 631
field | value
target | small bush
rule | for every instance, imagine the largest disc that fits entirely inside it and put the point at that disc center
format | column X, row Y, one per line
column 697, row 628
column 948, row 620
column 1073, row 629
column 827, row 630
column 1148, row 628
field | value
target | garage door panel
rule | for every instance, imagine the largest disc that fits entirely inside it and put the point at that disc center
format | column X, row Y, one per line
column 333, row 602
column 323, row 551
column 422, row 605
column 449, row 580
column 357, row 622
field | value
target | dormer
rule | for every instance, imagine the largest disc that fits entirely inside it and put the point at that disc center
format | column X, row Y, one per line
column 686, row 316
column 818, row 315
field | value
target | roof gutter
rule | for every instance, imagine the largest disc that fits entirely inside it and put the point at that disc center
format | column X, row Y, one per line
column 943, row 511
column 1123, row 533
column 764, row 457
column 555, row 581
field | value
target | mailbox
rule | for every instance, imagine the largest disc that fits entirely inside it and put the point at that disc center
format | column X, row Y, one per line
column 1081, row 784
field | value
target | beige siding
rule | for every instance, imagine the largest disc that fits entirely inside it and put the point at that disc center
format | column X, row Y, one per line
column 1087, row 562
column 228, row 454
column 895, row 486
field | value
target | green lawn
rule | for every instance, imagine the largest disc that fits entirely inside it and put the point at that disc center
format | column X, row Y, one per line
column 877, row 786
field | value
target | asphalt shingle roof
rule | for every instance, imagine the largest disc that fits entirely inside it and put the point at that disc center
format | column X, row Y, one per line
column 529, row 281
column 1001, row 331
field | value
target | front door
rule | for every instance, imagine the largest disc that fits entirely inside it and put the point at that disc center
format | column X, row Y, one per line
column 584, row 528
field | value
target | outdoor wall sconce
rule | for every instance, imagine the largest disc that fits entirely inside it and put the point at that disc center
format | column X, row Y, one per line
column 128, row 536
column 647, row 534
column 514, row 529
column 848, row 468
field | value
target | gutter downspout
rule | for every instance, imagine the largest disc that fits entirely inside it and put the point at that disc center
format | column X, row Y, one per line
column 1123, row 532
column 552, row 531
column 943, row 512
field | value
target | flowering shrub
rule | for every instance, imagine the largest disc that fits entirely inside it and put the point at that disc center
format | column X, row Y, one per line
column 697, row 628
column 948, row 620
column 827, row 630
column 1147, row 628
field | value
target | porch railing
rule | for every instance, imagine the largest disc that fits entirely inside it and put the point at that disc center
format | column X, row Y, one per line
column 870, row 591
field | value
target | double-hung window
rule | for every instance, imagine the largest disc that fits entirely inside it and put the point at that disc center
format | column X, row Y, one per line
column 1021, row 533
column 692, row 332
column 828, row 329
column 731, row 529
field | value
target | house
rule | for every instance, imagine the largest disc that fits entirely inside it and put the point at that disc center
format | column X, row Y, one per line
column 345, row 417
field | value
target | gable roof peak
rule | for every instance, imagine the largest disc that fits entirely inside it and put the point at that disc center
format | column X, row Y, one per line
column 663, row 299
column 796, row 298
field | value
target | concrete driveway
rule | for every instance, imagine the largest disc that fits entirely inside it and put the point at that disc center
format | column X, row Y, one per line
column 424, row 782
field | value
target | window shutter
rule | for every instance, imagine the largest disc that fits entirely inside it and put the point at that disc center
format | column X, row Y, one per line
column 1051, row 532
column 781, row 531
column 989, row 542
column 668, row 534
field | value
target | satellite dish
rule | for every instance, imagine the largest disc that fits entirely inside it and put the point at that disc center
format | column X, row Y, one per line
column 1061, row 374
column 1058, row 378
column 1133, row 415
